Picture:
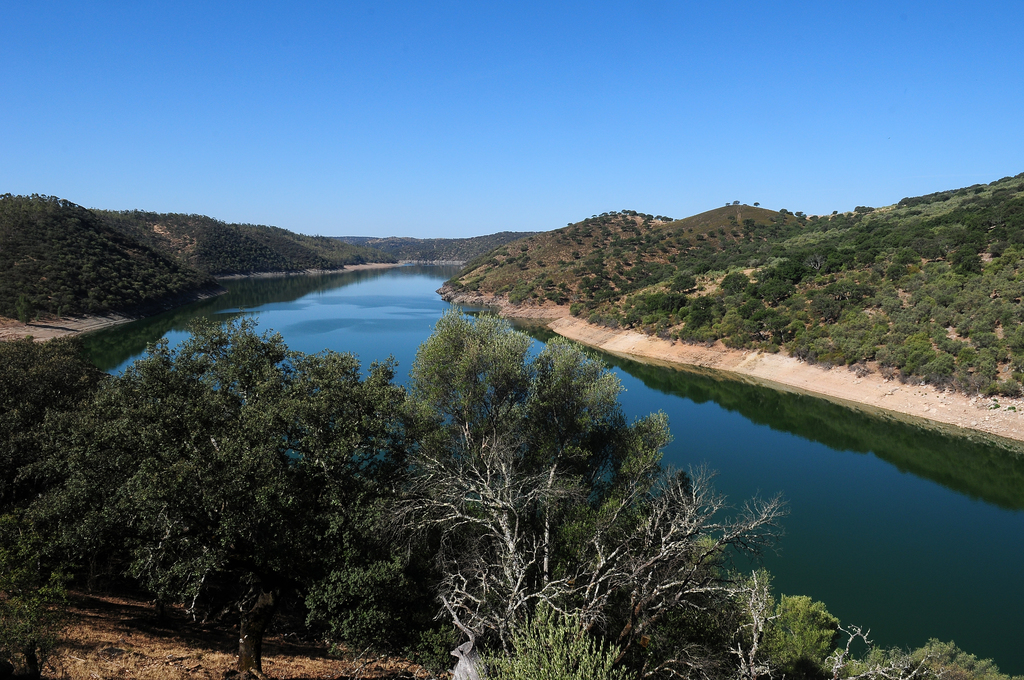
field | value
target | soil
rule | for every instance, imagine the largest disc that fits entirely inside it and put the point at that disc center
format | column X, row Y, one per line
column 112, row 637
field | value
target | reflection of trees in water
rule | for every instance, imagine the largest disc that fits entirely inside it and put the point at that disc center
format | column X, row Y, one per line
column 110, row 348
column 978, row 469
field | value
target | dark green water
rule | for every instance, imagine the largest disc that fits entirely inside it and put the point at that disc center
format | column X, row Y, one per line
column 895, row 527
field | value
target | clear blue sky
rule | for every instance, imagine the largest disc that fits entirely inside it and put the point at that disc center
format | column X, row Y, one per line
column 457, row 119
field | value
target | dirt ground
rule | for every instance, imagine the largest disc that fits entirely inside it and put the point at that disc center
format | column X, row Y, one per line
column 117, row 638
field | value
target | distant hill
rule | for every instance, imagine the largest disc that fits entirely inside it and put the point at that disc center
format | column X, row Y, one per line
column 624, row 251
column 60, row 258
column 928, row 289
column 221, row 249
column 437, row 249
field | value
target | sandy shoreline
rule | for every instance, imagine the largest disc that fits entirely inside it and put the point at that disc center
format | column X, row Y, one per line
column 948, row 411
column 48, row 329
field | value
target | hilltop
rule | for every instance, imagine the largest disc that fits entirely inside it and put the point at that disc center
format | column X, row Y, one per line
column 437, row 249
column 221, row 248
column 926, row 290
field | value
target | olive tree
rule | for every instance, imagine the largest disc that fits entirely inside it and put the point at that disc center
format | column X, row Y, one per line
column 223, row 468
column 544, row 494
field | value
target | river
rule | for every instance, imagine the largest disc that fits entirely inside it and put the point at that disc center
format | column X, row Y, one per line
column 899, row 529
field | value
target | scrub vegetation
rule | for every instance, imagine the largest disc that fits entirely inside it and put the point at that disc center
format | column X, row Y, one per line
column 58, row 258
column 501, row 503
column 437, row 249
column 221, row 249
column 927, row 290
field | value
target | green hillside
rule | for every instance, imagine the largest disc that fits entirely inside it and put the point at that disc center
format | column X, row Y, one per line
column 929, row 288
column 223, row 249
column 60, row 258
column 437, row 249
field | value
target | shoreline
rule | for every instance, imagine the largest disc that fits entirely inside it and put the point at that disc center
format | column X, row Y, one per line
column 948, row 411
column 48, row 329
column 308, row 272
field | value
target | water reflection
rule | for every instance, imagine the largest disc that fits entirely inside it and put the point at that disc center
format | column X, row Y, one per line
column 112, row 347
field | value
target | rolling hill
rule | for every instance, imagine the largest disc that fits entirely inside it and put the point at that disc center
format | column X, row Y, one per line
column 59, row 258
column 437, row 249
column 222, row 249
column 927, row 290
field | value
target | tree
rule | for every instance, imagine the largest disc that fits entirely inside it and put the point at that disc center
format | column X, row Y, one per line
column 223, row 467
column 543, row 494
column 802, row 636
column 32, row 596
column 23, row 309
column 40, row 383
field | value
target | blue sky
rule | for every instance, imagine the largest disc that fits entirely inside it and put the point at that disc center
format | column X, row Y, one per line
column 458, row 119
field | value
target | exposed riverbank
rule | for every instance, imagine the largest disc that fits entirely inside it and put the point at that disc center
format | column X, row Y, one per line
column 50, row 328
column 944, row 409
column 308, row 272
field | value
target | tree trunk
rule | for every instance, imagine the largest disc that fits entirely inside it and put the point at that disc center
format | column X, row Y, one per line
column 254, row 624
column 32, row 662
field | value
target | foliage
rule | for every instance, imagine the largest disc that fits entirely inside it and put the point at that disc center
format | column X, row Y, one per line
column 801, row 637
column 220, row 248
column 59, row 258
column 554, row 647
column 32, row 596
column 545, row 496
column 228, row 468
column 946, row 660
column 437, row 249
column 38, row 381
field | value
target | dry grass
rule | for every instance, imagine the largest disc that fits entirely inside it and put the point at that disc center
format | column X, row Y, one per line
column 117, row 638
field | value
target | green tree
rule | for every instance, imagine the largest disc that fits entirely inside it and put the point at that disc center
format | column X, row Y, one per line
column 23, row 309
column 544, row 494
column 40, row 384
column 801, row 637
column 32, row 596
column 225, row 467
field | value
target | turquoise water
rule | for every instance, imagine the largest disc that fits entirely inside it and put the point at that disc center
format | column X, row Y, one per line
column 897, row 528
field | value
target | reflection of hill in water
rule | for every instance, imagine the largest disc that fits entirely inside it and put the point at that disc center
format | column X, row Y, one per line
column 979, row 469
column 111, row 347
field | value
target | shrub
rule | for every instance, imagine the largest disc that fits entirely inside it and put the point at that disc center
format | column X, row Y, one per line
column 553, row 647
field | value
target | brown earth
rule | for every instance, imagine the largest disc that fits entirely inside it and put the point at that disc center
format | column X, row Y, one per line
column 871, row 392
column 120, row 638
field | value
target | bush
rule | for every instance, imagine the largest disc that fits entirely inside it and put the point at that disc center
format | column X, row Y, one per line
column 553, row 647
column 801, row 637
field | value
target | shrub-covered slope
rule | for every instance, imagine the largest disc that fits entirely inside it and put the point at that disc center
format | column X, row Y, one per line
column 437, row 249
column 930, row 288
column 60, row 258
column 222, row 249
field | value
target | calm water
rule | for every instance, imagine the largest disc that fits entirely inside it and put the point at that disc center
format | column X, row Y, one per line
column 894, row 527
